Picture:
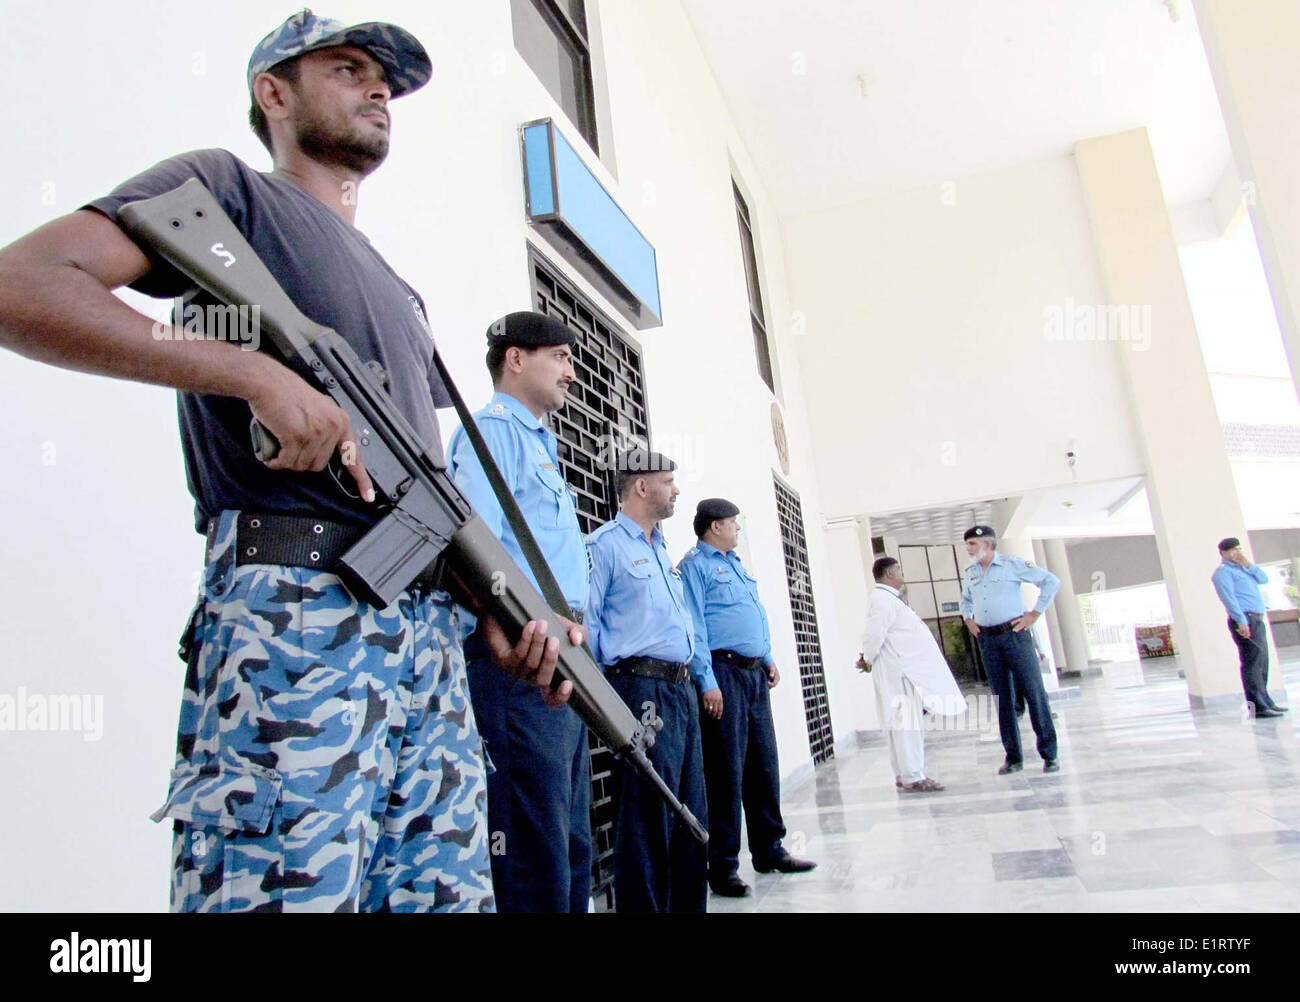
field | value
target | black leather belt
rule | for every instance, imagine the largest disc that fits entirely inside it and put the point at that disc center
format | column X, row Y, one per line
column 736, row 660
column 999, row 627
column 299, row 541
column 669, row 671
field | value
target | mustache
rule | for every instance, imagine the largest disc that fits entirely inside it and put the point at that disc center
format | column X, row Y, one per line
column 366, row 109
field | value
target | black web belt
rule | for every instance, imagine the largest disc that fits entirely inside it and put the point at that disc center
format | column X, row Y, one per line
column 998, row 628
column 297, row 541
column 736, row 660
column 669, row 671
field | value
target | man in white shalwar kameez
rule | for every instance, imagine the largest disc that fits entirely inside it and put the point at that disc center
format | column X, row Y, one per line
column 910, row 673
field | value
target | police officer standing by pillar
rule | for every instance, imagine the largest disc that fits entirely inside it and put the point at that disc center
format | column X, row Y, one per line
column 640, row 629
column 995, row 614
column 734, row 670
column 1236, row 581
column 539, row 796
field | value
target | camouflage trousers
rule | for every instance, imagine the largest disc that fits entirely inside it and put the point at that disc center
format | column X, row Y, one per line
column 327, row 757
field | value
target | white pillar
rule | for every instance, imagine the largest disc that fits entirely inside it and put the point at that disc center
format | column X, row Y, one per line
column 1189, row 479
column 1053, row 626
column 1073, row 635
column 1251, row 46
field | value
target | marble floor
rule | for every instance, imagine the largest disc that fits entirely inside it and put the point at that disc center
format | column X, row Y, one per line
column 1156, row 808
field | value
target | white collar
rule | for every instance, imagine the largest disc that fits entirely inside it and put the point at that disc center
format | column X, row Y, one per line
column 893, row 591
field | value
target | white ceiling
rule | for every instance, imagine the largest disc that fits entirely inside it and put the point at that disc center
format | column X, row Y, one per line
column 1074, row 511
column 933, row 525
column 1107, row 508
column 955, row 88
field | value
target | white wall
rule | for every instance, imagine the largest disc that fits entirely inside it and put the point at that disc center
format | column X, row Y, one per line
column 925, row 339
column 98, row 543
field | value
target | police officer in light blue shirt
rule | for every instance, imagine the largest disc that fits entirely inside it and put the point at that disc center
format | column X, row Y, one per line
column 539, row 796
column 1237, row 581
column 642, row 632
column 733, row 669
column 995, row 614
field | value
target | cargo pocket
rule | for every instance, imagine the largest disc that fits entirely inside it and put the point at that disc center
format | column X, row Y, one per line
column 228, row 852
column 236, row 800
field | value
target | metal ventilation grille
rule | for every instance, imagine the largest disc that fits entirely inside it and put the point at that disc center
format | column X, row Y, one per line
column 1262, row 441
column 807, row 643
column 605, row 410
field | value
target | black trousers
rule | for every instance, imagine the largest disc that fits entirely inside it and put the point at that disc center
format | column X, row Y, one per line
column 1254, row 660
column 539, row 797
column 1012, row 667
column 659, row 866
column 740, row 768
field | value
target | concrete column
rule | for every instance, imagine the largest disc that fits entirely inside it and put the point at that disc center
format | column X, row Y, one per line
column 1053, row 626
column 1189, row 480
column 1252, row 53
column 1073, row 635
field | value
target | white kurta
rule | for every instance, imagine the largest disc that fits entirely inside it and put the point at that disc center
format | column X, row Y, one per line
column 898, row 642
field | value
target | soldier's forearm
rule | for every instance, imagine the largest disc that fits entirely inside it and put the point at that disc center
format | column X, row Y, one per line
column 60, row 315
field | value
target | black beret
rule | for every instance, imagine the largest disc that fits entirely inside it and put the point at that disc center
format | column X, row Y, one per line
column 716, row 508
column 527, row 329
column 1228, row 544
column 711, row 509
column 980, row 532
column 644, row 461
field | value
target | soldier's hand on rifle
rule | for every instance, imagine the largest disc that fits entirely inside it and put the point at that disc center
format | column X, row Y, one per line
column 308, row 425
column 534, row 658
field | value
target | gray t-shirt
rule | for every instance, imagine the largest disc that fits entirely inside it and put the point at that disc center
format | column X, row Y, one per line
column 333, row 274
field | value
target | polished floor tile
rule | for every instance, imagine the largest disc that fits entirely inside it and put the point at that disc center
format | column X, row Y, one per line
column 1157, row 808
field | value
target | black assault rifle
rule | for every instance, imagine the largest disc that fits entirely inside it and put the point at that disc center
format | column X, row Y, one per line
column 425, row 517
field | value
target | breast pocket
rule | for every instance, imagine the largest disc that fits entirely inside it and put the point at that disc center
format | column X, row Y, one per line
column 637, row 580
column 727, row 587
column 556, row 494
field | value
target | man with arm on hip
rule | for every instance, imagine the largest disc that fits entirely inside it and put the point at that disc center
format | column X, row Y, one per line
column 1237, row 581
column 995, row 615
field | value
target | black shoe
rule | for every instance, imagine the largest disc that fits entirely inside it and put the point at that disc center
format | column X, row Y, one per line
column 1051, row 765
column 1264, row 711
column 1010, row 767
column 730, row 886
column 1280, row 709
column 785, row 863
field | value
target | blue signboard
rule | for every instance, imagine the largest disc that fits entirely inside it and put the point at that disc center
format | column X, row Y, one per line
column 569, row 206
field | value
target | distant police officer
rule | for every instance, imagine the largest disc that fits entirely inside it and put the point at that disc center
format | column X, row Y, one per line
column 641, row 630
column 539, row 796
column 1237, row 581
column 733, row 669
column 995, row 614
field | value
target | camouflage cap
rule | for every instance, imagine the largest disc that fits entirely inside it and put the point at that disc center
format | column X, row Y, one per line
column 403, row 58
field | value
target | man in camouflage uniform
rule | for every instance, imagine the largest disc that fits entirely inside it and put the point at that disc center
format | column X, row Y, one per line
column 328, row 758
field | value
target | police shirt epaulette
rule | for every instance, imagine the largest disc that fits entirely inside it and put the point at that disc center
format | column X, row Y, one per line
column 595, row 534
